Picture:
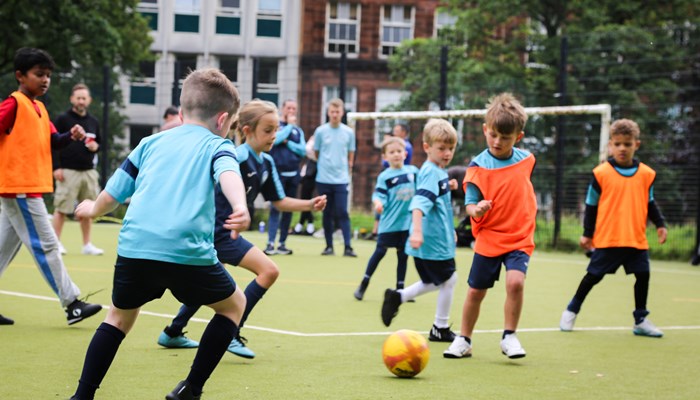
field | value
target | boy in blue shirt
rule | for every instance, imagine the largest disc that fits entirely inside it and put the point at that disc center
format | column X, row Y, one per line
column 392, row 195
column 433, row 253
column 166, row 241
column 334, row 144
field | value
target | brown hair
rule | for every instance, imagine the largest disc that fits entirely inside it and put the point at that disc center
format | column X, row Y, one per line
column 251, row 113
column 392, row 140
column 505, row 114
column 207, row 92
column 439, row 130
column 79, row 86
column 625, row 127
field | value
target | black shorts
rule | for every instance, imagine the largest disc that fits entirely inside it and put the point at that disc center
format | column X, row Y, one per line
column 138, row 281
column 232, row 251
column 608, row 260
column 395, row 239
column 435, row 271
column 486, row 271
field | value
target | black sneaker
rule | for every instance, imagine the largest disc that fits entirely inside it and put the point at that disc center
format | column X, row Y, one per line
column 78, row 310
column 183, row 391
column 270, row 250
column 282, row 249
column 349, row 252
column 6, row 321
column 328, row 251
column 390, row 307
column 696, row 260
column 360, row 291
column 441, row 334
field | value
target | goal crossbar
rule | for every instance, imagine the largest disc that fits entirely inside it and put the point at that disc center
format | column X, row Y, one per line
column 604, row 110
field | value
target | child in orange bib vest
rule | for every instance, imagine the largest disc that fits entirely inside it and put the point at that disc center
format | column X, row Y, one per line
column 620, row 199
column 500, row 200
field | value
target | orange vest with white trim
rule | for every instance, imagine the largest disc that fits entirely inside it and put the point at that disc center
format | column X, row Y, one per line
column 25, row 153
column 623, row 207
column 510, row 223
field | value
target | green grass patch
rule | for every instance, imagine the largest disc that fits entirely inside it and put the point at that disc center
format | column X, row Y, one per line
column 315, row 341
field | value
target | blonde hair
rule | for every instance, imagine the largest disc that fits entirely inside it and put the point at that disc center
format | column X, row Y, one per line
column 336, row 102
column 251, row 113
column 439, row 130
column 392, row 140
column 207, row 92
column 625, row 127
column 505, row 114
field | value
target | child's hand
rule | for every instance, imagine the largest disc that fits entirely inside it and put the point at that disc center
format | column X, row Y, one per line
column 85, row 209
column 58, row 174
column 416, row 240
column 481, row 208
column 662, row 233
column 378, row 207
column 318, row 203
column 292, row 119
column 586, row 243
column 454, row 185
column 77, row 132
column 237, row 222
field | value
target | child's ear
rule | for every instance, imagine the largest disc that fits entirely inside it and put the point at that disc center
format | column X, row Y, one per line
column 426, row 146
column 520, row 136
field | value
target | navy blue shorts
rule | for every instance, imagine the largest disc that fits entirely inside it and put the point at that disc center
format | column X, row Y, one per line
column 435, row 271
column 137, row 281
column 232, row 251
column 392, row 239
column 487, row 270
column 607, row 261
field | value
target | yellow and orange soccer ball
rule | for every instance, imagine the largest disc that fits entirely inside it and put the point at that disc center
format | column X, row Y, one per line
column 405, row 353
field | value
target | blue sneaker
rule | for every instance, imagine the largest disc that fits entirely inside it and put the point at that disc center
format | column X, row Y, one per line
column 239, row 348
column 177, row 342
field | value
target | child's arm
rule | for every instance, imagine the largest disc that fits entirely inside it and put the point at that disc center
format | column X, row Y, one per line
column 454, row 185
column 378, row 206
column 233, row 188
column 290, row 204
column 416, row 239
column 95, row 208
column 479, row 209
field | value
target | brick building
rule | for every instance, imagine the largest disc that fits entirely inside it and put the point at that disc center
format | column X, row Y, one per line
column 368, row 31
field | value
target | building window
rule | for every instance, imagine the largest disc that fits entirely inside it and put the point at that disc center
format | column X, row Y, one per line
column 343, row 28
column 184, row 64
column 268, row 88
column 229, row 66
column 228, row 17
column 149, row 10
column 396, row 26
column 138, row 132
column 187, row 16
column 332, row 92
column 443, row 21
column 143, row 88
column 269, row 21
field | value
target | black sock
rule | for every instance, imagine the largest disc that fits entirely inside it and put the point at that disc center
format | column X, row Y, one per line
column 507, row 332
column 468, row 339
column 101, row 351
column 215, row 340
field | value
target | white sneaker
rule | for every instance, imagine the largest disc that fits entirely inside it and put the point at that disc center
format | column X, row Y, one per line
column 62, row 249
column 646, row 328
column 510, row 346
column 91, row 250
column 459, row 348
column 310, row 228
column 298, row 228
column 568, row 318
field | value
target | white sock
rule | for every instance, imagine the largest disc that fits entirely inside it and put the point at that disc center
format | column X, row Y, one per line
column 416, row 290
column 444, row 301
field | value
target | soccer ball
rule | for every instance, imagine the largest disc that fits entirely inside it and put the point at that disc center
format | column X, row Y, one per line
column 405, row 353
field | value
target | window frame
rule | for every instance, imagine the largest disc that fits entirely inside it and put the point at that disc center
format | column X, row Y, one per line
column 394, row 25
column 342, row 42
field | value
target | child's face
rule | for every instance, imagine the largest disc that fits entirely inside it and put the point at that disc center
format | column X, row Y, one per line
column 440, row 153
column 35, row 82
column 501, row 144
column 394, row 154
column 622, row 148
column 335, row 114
column 265, row 132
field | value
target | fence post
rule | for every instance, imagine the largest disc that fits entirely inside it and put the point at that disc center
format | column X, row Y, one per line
column 559, row 171
column 104, row 144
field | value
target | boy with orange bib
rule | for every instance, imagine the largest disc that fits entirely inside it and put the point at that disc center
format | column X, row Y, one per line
column 619, row 201
column 500, row 200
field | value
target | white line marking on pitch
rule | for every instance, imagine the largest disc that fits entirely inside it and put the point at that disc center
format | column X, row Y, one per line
column 334, row 334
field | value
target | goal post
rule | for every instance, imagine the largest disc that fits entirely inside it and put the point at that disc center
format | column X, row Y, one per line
column 604, row 110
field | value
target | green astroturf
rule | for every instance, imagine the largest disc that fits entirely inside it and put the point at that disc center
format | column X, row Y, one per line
column 313, row 340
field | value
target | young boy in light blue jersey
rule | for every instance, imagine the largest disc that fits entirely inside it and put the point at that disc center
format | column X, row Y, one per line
column 167, row 239
column 392, row 195
column 334, row 145
column 433, row 253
